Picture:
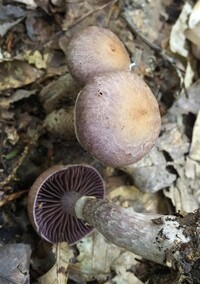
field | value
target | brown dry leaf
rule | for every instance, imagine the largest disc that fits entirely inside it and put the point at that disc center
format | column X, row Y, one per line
column 60, row 123
column 81, row 14
column 189, row 103
column 195, row 15
column 58, row 91
column 184, row 193
column 132, row 198
column 16, row 73
column 18, row 95
column 179, row 45
column 123, row 275
column 14, row 264
column 193, row 31
column 178, row 42
column 173, row 142
column 12, row 135
column 58, row 274
column 97, row 256
column 194, row 34
column 146, row 18
column 36, row 58
column 150, row 173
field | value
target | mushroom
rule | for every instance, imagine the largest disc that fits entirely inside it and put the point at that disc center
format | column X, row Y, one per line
column 52, row 197
column 117, row 118
column 95, row 50
column 60, row 211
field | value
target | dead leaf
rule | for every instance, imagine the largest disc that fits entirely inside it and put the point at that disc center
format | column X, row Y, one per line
column 150, row 173
column 178, row 42
column 65, row 88
column 6, row 102
column 21, row 94
column 173, row 142
column 189, row 103
column 97, row 256
column 182, row 195
column 123, row 275
column 60, row 123
column 134, row 199
column 16, row 73
column 195, row 15
column 58, row 274
column 14, row 264
column 194, row 34
column 36, row 58
column 185, row 189
column 12, row 135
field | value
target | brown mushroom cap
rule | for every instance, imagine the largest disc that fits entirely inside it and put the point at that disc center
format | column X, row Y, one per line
column 52, row 198
column 117, row 119
column 95, row 50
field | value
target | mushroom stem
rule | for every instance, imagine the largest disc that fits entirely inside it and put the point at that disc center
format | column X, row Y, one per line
column 150, row 236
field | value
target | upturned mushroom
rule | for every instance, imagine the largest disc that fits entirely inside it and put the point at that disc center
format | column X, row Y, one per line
column 95, row 50
column 52, row 198
column 65, row 202
column 117, row 118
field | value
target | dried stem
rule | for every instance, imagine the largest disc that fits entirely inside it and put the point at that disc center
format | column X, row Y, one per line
column 163, row 240
column 19, row 162
column 7, row 198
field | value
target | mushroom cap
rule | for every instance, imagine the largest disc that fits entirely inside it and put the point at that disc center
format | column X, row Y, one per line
column 95, row 50
column 52, row 198
column 117, row 118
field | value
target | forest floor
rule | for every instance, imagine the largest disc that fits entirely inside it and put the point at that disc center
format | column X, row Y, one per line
column 162, row 38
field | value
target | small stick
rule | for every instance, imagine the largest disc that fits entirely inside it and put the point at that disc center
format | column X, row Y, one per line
column 11, row 197
column 26, row 150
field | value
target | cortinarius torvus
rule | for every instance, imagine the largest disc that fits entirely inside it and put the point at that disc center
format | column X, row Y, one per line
column 52, row 197
column 117, row 118
column 60, row 211
column 95, row 50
